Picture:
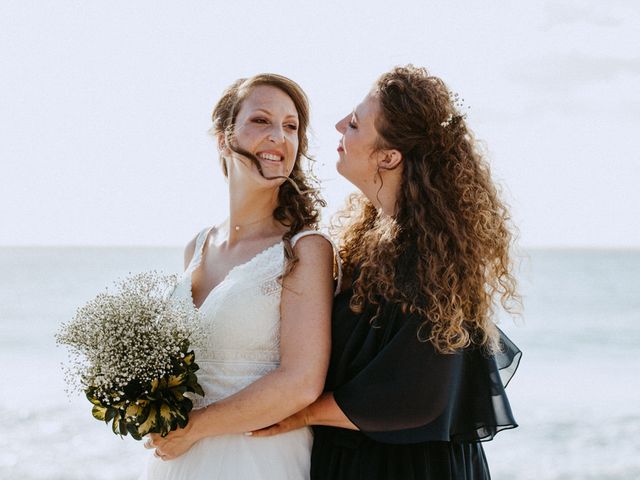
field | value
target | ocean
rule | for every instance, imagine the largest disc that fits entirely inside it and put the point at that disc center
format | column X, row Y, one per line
column 576, row 395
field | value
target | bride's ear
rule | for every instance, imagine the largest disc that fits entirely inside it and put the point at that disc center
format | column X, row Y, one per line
column 389, row 159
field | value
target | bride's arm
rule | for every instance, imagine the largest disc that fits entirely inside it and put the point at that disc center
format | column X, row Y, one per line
column 305, row 331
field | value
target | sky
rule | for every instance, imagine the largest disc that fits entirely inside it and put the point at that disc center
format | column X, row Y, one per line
column 105, row 107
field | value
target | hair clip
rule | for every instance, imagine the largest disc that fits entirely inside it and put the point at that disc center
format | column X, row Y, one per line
column 458, row 106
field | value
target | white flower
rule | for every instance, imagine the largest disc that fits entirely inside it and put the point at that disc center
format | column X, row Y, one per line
column 128, row 335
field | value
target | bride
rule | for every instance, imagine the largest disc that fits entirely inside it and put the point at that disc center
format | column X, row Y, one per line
column 263, row 281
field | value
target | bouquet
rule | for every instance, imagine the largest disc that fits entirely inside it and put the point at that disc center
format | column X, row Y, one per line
column 129, row 353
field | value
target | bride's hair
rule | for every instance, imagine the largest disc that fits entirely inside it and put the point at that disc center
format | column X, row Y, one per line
column 445, row 256
column 299, row 201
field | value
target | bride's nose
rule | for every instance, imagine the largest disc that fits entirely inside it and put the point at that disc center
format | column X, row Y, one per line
column 276, row 134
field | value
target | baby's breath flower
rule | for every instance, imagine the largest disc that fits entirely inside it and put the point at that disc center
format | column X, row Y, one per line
column 129, row 347
column 131, row 334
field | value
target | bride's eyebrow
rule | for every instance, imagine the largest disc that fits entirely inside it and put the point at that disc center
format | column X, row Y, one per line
column 291, row 115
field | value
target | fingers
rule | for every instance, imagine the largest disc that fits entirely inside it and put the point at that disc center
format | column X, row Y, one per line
column 157, row 452
column 160, row 455
column 265, row 432
column 153, row 442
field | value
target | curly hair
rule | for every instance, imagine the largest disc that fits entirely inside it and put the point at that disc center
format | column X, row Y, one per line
column 445, row 255
column 299, row 203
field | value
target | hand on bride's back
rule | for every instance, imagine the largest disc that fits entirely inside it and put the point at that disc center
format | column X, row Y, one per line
column 294, row 422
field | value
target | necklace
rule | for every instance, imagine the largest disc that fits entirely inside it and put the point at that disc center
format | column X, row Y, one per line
column 237, row 227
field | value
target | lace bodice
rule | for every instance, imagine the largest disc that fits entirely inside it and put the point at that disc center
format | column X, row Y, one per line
column 241, row 320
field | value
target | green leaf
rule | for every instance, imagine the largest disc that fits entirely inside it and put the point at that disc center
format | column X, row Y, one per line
column 133, row 430
column 116, row 423
column 176, row 380
column 188, row 358
column 151, row 423
column 111, row 413
column 186, row 405
column 123, row 427
column 182, row 421
column 165, row 412
column 134, row 410
column 179, row 391
column 99, row 412
column 144, row 414
column 194, row 386
column 154, row 384
column 92, row 398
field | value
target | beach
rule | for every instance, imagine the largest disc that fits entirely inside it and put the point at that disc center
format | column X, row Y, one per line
column 575, row 395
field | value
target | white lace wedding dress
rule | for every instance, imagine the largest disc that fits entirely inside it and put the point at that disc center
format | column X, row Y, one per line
column 241, row 317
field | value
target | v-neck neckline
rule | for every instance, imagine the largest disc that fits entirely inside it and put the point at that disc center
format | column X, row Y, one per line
column 228, row 274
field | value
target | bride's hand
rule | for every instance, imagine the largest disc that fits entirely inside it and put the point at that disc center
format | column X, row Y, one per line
column 295, row 421
column 176, row 442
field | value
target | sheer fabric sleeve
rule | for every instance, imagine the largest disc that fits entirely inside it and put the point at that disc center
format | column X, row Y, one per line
column 408, row 392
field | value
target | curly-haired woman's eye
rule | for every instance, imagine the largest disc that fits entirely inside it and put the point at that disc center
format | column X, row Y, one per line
column 353, row 126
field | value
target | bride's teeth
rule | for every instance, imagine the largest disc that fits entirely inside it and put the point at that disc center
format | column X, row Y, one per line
column 268, row 156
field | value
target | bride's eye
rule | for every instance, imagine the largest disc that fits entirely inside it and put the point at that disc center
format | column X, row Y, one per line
column 260, row 120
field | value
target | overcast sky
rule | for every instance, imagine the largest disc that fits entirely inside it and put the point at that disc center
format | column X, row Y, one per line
column 105, row 106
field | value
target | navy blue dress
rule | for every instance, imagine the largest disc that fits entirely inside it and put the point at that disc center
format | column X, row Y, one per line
column 421, row 414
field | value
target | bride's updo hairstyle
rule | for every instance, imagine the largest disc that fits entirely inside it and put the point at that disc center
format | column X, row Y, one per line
column 299, row 202
column 445, row 255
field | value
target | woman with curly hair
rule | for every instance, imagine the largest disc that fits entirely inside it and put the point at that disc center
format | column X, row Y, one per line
column 418, row 367
column 263, row 282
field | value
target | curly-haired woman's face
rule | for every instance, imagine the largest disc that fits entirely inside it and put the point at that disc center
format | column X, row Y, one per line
column 356, row 160
column 267, row 126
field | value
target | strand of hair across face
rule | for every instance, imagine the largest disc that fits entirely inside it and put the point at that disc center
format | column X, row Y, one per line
column 240, row 151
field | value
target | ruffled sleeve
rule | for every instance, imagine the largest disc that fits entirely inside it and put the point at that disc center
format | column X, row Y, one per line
column 397, row 389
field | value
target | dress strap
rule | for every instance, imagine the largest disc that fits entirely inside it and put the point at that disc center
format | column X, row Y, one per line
column 337, row 265
column 201, row 239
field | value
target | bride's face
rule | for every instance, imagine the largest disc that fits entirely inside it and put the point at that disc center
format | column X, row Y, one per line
column 267, row 127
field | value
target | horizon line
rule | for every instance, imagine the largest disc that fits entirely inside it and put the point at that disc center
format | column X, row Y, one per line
column 177, row 246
